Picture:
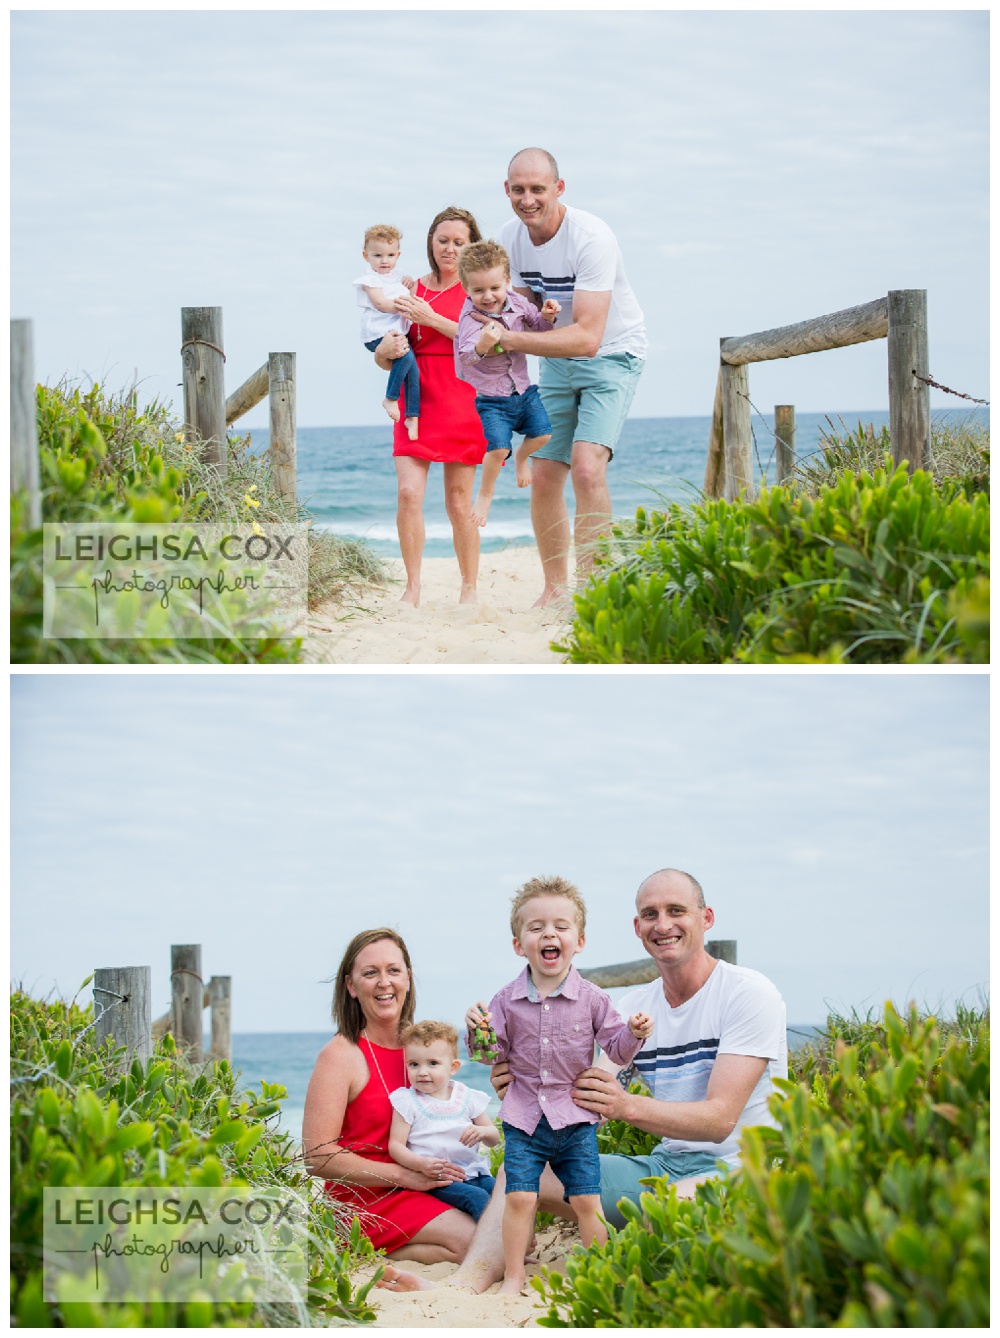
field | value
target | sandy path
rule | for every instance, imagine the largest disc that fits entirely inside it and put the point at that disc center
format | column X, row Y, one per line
column 502, row 628
column 449, row 1308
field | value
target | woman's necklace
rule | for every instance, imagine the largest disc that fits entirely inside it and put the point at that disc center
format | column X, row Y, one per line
column 371, row 1051
column 420, row 336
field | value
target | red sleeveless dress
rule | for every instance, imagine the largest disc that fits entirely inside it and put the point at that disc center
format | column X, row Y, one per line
column 449, row 431
column 389, row 1217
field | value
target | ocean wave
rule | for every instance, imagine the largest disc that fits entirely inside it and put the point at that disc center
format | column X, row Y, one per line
column 379, row 532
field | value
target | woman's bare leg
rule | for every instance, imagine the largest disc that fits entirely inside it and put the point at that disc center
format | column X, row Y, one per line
column 459, row 481
column 444, row 1240
column 411, row 484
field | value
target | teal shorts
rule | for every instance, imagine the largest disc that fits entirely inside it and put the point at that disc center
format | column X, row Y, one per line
column 586, row 399
column 620, row 1176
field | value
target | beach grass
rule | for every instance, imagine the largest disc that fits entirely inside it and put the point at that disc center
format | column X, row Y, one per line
column 106, row 456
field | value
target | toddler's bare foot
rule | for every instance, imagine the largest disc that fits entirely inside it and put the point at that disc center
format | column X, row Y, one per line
column 412, row 425
column 392, row 409
column 481, row 508
column 512, row 1287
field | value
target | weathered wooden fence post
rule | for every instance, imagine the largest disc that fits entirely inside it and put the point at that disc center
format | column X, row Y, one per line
column 722, row 949
column 204, row 383
column 738, row 465
column 784, row 442
column 715, row 465
column 281, row 401
column 219, row 995
column 24, row 473
column 909, row 399
column 124, row 994
column 187, row 994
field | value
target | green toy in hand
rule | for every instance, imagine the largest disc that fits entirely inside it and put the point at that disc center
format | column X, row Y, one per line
column 487, row 1048
column 484, row 1047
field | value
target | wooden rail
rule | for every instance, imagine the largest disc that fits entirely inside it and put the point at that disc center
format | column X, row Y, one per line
column 644, row 970
column 207, row 411
column 900, row 318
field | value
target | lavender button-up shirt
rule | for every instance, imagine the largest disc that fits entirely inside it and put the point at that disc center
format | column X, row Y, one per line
column 495, row 373
column 549, row 1042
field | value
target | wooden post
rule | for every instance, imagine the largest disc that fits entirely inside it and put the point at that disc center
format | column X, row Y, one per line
column 124, row 994
column 281, row 379
column 784, row 442
column 909, row 399
column 624, row 973
column 738, row 471
column 187, row 992
column 723, row 949
column 219, row 993
column 24, row 474
column 204, row 383
column 715, row 464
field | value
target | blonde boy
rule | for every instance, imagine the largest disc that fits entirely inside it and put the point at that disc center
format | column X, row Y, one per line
column 546, row 1023
column 506, row 400
column 437, row 1124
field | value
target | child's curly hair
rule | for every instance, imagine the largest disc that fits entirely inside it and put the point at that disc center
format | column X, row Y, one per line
column 546, row 886
column 480, row 256
column 382, row 232
column 424, row 1033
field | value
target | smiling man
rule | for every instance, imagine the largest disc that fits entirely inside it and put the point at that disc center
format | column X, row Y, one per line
column 592, row 359
column 718, row 1043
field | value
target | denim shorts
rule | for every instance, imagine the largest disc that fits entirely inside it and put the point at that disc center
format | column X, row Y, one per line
column 620, row 1176
column 571, row 1152
column 469, row 1196
column 503, row 415
column 587, row 399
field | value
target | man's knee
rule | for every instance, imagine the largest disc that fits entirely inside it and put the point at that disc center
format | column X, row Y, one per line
column 590, row 465
column 548, row 477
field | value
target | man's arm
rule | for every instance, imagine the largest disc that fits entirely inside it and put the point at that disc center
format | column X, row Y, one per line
column 581, row 339
column 710, row 1121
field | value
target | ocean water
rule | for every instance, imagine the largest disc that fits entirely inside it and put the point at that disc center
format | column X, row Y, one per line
column 347, row 477
column 288, row 1058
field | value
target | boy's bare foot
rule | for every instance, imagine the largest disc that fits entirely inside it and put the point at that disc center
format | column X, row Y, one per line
column 481, row 508
column 521, row 466
column 392, row 409
column 512, row 1287
column 412, row 425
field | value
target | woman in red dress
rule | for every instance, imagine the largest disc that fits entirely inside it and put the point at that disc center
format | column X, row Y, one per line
column 449, row 428
column 345, row 1128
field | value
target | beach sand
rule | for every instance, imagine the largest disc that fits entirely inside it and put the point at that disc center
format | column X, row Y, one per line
column 450, row 1308
column 502, row 628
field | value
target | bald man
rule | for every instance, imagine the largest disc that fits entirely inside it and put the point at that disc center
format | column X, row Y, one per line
column 719, row 1042
column 592, row 360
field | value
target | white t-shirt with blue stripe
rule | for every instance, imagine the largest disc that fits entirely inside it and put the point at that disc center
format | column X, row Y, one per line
column 736, row 1012
column 583, row 256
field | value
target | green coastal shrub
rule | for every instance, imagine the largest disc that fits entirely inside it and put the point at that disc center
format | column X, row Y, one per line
column 867, row 1206
column 77, row 1120
column 879, row 568
column 103, row 457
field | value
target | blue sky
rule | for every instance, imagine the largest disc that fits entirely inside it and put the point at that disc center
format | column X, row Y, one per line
column 758, row 167
column 837, row 822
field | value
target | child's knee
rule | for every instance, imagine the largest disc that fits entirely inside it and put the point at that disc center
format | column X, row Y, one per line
column 521, row 1202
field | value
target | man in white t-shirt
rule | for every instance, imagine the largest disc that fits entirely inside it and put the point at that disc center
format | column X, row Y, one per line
column 719, row 1042
column 592, row 359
